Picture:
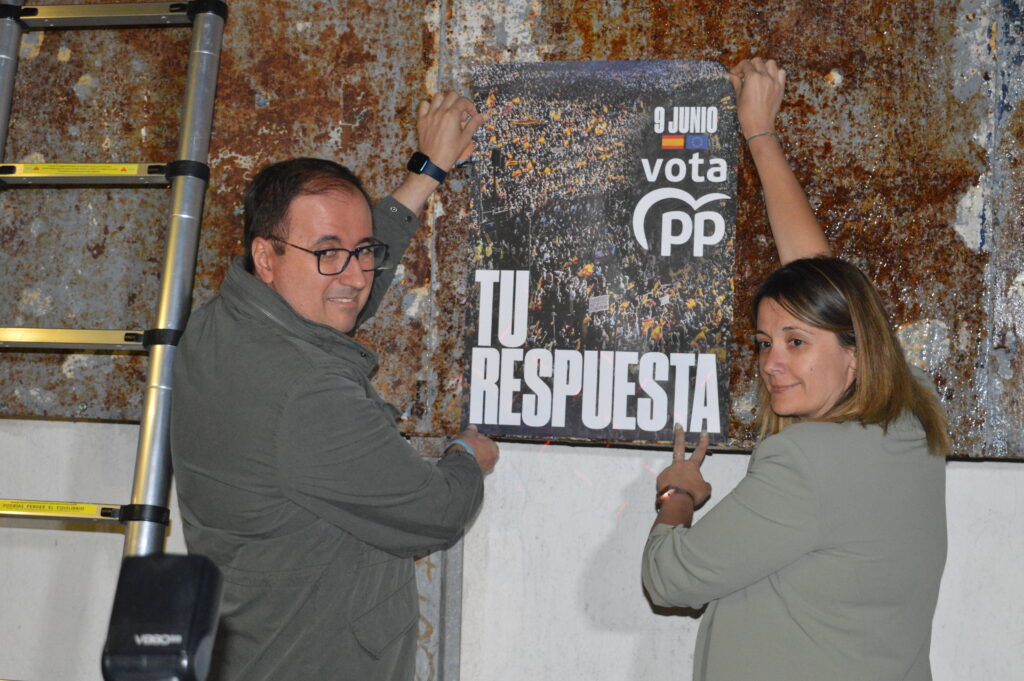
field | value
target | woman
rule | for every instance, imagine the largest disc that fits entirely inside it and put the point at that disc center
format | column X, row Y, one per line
column 824, row 562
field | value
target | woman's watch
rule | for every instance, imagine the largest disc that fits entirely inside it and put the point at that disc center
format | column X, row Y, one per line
column 420, row 164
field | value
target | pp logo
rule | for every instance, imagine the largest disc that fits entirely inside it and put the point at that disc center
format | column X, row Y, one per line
column 705, row 228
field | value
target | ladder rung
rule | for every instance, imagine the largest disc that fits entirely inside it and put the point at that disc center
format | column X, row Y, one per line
column 100, row 16
column 91, row 174
column 71, row 339
column 59, row 510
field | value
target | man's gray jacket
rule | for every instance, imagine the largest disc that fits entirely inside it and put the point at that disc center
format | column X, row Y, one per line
column 294, row 479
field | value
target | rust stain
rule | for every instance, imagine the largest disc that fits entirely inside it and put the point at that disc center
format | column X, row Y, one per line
column 884, row 147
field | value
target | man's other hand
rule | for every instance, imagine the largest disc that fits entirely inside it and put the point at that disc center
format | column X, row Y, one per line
column 484, row 448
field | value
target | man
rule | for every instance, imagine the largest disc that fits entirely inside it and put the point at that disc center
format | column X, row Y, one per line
column 291, row 473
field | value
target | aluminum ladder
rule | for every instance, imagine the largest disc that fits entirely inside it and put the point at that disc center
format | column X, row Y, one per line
column 146, row 516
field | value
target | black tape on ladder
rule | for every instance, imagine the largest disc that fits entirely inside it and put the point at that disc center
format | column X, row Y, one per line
column 161, row 337
column 143, row 512
column 189, row 168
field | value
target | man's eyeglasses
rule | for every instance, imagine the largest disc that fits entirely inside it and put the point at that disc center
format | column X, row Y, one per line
column 331, row 261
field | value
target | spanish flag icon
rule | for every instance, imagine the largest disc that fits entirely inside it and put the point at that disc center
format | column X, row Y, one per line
column 673, row 141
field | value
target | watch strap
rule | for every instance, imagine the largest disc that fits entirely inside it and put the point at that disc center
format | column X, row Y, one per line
column 420, row 164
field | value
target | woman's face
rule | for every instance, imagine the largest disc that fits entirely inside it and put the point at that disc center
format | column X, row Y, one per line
column 805, row 368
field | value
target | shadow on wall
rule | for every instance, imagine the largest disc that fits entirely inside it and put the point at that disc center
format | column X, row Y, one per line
column 623, row 546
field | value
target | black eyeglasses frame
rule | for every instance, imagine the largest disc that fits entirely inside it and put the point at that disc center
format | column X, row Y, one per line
column 319, row 253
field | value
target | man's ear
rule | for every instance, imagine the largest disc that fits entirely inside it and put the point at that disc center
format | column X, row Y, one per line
column 263, row 259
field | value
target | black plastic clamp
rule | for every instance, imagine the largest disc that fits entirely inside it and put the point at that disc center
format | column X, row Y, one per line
column 144, row 513
column 152, row 337
column 12, row 12
column 218, row 7
column 189, row 169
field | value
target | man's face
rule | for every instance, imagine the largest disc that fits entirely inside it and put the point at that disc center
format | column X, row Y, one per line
column 333, row 219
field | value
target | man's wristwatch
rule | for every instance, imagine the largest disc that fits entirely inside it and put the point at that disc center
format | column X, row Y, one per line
column 420, row 164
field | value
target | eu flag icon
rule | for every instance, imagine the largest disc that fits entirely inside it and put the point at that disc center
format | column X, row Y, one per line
column 697, row 141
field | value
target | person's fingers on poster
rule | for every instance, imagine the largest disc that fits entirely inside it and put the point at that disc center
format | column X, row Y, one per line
column 684, row 472
column 759, row 86
column 446, row 126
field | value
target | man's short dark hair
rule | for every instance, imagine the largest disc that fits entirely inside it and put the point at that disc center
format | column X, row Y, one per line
column 270, row 194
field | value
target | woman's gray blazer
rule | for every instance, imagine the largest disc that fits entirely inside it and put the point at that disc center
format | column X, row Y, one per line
column 822, row 564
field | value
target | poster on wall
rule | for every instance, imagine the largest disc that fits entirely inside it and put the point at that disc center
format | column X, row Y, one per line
column 600, row 292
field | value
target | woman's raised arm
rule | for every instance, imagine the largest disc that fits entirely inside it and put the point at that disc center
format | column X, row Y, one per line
column 759, row 86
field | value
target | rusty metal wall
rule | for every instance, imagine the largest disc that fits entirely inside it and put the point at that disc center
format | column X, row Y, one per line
column 902, row 120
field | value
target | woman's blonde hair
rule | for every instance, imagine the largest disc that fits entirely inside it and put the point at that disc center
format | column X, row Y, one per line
column 831, row 294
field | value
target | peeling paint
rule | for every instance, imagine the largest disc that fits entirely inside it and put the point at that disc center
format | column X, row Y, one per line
column 1015, row 305
column 31, row 45
column 974, row 50
column 746, row 402
column 925, row 343
column 73, row 364
column 414, row 302
column 970, row 214
column 34, row 303
column 42, row 401
column 85, row 87
column 506, row 27
column 1017, row 288
column 227, row 157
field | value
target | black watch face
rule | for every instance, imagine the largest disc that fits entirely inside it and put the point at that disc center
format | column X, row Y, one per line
column 417, row 161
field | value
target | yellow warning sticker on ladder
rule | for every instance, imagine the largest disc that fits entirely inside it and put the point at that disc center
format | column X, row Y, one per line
column 81, row 169
column 62, row 507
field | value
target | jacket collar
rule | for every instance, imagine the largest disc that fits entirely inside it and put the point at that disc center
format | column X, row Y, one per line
column 251, row 296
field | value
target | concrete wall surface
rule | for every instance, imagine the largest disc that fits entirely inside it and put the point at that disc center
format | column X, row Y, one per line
column 552, row 578
column 551, row 584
